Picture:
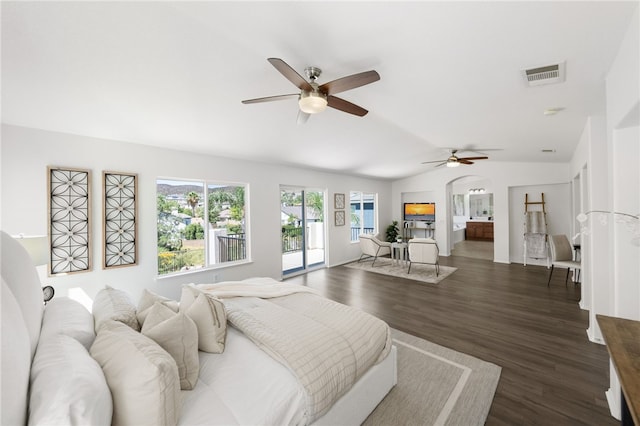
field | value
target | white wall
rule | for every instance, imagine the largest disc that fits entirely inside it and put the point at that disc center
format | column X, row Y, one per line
column 502, row 175
column 626, row 267
column 614, row 158
column 589, row 166
column 557, row 199
column 26, row 153
column 623, row 141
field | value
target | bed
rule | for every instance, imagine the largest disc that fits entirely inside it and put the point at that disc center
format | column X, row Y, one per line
column 57, row 369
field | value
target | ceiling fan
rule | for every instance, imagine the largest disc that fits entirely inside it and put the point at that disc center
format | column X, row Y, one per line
column 314, row 98
column 454, row 160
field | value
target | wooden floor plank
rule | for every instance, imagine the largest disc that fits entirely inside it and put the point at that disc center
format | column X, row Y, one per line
column 505, row 314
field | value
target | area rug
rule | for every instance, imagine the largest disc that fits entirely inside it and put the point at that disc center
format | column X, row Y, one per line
column 436, row 386
column 419, row 272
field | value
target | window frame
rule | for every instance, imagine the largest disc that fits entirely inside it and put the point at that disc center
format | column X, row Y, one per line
column 208, row 265
column 363, row 196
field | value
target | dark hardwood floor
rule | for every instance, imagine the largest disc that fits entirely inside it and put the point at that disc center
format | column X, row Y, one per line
column 505, row 314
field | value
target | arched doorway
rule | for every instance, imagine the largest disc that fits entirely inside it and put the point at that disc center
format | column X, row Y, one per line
column 470, row 222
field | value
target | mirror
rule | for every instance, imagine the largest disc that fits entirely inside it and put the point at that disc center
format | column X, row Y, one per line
column 481, row 205
column 458, row 205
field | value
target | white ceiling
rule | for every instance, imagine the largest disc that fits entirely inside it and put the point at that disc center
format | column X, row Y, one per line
column 173, row 74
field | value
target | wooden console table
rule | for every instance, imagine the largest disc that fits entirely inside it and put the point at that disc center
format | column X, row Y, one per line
column 622, row 337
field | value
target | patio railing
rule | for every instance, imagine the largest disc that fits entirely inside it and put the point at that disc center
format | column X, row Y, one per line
column 232, row 247
column 174, row 261
column 291, row 239
column 355, row 232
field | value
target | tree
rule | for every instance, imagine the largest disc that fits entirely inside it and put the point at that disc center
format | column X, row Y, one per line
column 169, row 235
column 290, row 199
column 192, row 199
column 237, row 213
column 315, row 202
column 194, row 231
column 214, row 214
column 226, row 197
column 237, row 198
column 165, row 206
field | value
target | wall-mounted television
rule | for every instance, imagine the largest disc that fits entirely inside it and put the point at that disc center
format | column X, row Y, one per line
column 425, row 212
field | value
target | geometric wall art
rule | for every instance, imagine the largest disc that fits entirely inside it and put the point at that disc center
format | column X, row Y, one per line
column 119, row 225
column 69, row 220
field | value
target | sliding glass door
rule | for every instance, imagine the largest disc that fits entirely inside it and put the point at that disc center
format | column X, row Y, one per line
column 303, row 231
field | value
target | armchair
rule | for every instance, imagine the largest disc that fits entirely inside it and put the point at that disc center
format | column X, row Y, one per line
column 373, row 246
column 423, row 250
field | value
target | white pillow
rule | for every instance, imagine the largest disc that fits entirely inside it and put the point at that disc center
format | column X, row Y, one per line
column 16, row 360
column 188, row 296
column 114, row 304
column 158, row 313
column 208, row 313
column 146, row 302
column 142, row 376
column 66, row 316
column 67, row 385
column 177, row 334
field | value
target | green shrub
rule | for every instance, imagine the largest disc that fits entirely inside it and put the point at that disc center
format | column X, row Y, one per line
column 194, row 231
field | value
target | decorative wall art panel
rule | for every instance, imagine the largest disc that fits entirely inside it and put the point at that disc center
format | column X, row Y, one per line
column 120, row 217
column 69, row 220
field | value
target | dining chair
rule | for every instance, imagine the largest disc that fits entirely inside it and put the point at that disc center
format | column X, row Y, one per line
column 562, row 256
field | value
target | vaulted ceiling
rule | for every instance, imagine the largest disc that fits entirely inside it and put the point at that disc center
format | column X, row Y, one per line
column 172, row 74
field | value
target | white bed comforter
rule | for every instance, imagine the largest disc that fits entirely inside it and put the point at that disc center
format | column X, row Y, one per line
column 327, row 345
column 243, row 386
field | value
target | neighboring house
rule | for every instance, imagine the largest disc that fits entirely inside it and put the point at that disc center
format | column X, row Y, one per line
column 295, row 212
column 368, row 216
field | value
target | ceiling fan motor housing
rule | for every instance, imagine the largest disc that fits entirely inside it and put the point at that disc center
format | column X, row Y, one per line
column 312, row 73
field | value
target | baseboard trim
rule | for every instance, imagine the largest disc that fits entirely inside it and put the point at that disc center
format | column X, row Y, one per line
column 614, row 404
column 333, row 265
column 593, row 338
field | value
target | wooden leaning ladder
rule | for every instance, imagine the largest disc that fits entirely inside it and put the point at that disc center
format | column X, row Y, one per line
column 527, row 203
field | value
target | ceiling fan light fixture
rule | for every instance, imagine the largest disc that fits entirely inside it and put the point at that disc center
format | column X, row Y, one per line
column 452, row 163
column 312, row 102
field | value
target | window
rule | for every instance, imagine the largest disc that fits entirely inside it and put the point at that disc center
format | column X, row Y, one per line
column 363, row 214
column 197, row 231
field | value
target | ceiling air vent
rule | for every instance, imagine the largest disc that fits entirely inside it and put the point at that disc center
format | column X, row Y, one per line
column 548, row 74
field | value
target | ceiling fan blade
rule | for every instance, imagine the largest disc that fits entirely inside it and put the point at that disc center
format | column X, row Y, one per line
column 270, row 98
column 442, row 162
column 290, row 74
column 480, row 151
column 464, row 161
column 302, row 117
column 346, row 106
column 349, row 82
column 472, row 158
